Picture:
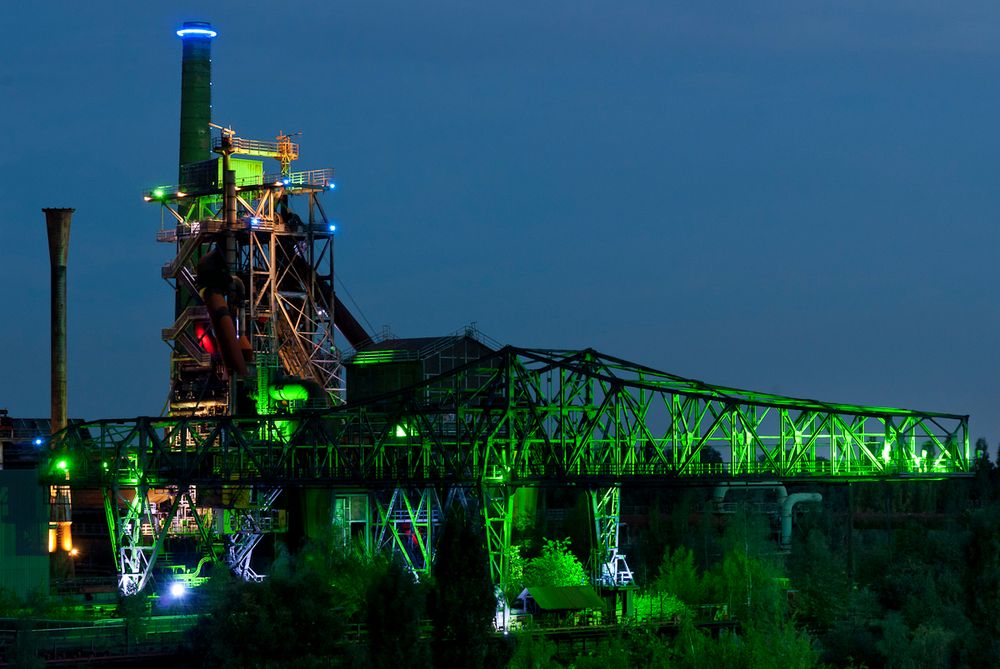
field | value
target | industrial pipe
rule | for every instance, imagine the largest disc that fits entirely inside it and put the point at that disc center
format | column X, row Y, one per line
column 214, row 282
column 720, row 491
column 347, row 324
column 343, row 319
column 787, row 505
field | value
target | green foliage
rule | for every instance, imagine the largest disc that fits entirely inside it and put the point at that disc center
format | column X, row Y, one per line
column 463, row 603
column 556, row 566
column 297, row 616
column 981, row 585
column 533, row 652
column 284, row 619
column 750, row 580
column 678, row 576
column 780, row 646
column 820, row 579
column 695, row 649
column 617, row 653
column 752, row 588
column 660, row 606
column 394, row 606
column 515, row 572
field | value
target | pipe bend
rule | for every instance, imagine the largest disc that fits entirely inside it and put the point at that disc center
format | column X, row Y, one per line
column 786, row 512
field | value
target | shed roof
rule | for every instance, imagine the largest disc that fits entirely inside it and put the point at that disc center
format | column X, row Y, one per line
column 572, row 598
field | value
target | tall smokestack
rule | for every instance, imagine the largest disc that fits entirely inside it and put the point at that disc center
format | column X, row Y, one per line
column 60, row 504
column 196, row 92
column 57, row 223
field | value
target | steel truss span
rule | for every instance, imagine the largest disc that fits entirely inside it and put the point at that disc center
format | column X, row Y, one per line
column 514, row 418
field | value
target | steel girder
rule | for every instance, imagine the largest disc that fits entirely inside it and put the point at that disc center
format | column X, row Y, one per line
column 407, row 521
column 608, row 566
column 523, row 417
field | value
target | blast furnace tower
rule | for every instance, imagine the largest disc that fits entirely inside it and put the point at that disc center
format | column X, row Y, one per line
column 257, row 326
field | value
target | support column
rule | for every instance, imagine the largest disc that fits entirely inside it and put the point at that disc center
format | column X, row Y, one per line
column 406, row 524
column 497, row 503
column 608, row 566
column 137, row 534
column 245, row 528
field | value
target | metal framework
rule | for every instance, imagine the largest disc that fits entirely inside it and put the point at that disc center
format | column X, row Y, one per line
column 518, row 417
column 288, row 266
column 281, row 301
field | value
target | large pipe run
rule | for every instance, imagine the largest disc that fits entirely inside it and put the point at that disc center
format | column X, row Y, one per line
column 343, row 319
column 57, row 223
column 786, row 502
column 196, row 92
column 214, row 283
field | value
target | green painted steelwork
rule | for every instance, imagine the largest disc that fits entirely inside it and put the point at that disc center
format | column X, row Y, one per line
column 523, row 417
column 382, row 356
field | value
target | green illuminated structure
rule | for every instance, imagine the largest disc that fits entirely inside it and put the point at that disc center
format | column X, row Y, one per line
column 259, row 403
column 513, row 418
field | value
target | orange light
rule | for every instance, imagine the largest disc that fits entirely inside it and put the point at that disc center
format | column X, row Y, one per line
column 52, row 539
column 74, row 552
column 66, row 534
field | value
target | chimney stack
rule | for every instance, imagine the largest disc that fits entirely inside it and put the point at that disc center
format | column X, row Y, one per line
column 196, row 93
column 57, row 223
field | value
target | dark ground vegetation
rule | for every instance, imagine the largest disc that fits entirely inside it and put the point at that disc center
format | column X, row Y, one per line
column 915, row 584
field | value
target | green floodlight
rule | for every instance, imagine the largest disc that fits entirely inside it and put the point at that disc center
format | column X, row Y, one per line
column 62, row 465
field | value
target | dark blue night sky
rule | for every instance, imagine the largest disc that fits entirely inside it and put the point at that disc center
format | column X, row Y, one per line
column 790, row 197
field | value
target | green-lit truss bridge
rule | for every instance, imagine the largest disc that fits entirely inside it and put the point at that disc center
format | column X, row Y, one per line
column 517, row 417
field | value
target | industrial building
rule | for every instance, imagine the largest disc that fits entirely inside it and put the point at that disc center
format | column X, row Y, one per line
column 287, row 416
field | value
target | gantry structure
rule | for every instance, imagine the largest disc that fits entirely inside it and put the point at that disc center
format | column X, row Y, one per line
column 474, row 435
column 257, row 405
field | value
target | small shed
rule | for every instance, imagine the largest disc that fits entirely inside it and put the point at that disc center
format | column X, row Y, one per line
column 539, row 599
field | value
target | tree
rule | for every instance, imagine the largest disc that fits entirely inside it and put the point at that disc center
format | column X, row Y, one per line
column 462, row 600
column 293, row 618
column 533, row 652
column 556, row 566
column 679, row 577
column 395, row 605
column 820, row 578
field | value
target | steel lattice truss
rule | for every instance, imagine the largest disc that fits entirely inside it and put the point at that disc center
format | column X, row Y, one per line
column 288, row 263
column 519, row 417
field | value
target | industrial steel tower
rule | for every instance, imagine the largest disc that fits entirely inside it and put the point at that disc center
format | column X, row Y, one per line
column 256, row 318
